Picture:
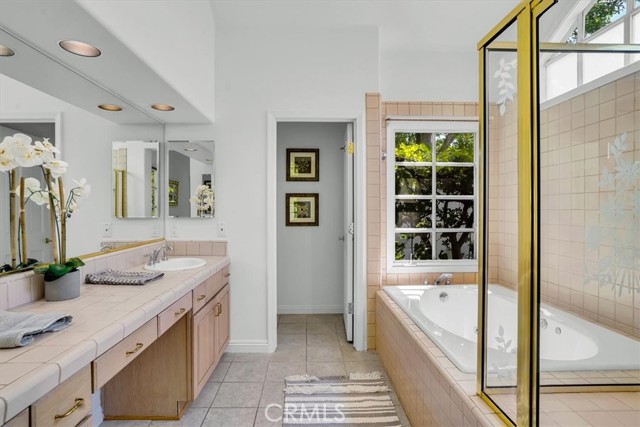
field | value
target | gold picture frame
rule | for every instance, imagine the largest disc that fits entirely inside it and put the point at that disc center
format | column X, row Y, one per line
column 174, row 187
column 302, row 209
column 303, row 164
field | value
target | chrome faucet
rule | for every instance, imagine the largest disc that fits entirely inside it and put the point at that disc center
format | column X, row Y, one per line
column 155, row 257
column 106, row 247
column 443, row 279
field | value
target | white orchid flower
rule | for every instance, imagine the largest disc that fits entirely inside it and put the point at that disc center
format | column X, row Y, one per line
column 56, row 167
column 33, row 192
column 7, row 161
column 82, row 189
column 46, row 150
column 26, row 155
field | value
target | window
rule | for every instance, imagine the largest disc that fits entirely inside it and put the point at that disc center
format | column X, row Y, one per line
column 431, row 206
column 601, row 21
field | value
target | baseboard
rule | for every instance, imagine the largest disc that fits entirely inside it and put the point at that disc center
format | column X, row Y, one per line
column 248, row 346
column 310, row 309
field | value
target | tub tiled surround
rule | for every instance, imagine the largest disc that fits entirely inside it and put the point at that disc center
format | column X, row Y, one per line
column 433, row 392
column 377, row 114
column 22, row 288
column 576, row 136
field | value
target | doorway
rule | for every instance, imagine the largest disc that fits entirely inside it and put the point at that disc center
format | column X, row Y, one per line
column 310, row 276
column 314, row 201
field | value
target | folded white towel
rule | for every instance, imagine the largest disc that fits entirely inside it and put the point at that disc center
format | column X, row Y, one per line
column 18, row 329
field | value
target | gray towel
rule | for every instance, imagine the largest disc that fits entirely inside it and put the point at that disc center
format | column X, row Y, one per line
column 18, row 329
column 115, row 277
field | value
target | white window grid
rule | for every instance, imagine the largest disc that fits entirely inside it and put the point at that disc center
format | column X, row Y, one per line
column 625, row 20
column 433, row 265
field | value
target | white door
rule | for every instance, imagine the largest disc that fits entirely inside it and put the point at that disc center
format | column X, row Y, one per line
column 348, row 232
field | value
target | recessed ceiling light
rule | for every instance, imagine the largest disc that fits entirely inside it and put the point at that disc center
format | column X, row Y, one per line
column 190, row 149
column 80, row 48
column 162, row 107
column 110, row 107
column 5, row 51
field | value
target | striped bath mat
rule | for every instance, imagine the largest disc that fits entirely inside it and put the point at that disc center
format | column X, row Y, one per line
column 358, row 400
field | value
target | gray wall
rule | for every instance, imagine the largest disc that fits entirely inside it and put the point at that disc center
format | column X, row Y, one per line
column 179, row 170
column 310, row 259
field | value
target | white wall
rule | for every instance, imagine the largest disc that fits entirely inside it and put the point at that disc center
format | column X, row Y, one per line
column 86, row 145
column 429, row 76
column 311, row 259
column 286, row 70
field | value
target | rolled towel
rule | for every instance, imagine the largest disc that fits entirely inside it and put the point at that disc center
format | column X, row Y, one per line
column 18, row 329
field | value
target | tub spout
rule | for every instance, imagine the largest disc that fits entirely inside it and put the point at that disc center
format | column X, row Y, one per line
column 444, row 279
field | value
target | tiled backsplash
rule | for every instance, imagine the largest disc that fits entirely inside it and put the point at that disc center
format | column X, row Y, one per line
column 22, row 288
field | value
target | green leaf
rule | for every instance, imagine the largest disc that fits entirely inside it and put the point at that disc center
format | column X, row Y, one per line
column 56, row 271
column 74, row 263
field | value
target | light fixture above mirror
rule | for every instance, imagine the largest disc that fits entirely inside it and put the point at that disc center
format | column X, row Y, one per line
column 80, row 48
column 6, row 51
column 110, row 107
column 162, row 107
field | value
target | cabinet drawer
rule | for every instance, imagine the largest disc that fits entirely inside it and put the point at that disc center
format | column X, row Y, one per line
column 200, row 296
column 214, row 284
column 110, row 363
column 66, row 405
column 171, row 315
column 226, row 274
column 87, row 422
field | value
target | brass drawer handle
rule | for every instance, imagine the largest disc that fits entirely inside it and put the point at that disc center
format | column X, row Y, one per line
column 201, row 297
column 137, row 349
column 182, row 310
column 218, row 309
column 79, row 403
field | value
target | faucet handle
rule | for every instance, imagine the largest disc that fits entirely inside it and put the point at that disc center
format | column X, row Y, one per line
column 150, row 256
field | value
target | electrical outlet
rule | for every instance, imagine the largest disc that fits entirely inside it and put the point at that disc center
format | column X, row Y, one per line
column 173, row 229
column 106, row 229
column 222, row 229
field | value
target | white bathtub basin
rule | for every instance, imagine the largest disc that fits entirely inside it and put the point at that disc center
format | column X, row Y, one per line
column 449, row 316
column 176, row 264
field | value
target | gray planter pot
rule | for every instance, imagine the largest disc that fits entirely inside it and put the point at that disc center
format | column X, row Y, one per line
column 64, row 288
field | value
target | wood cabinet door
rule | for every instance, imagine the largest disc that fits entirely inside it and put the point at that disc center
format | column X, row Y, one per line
column 204, row 345
column 222, row 321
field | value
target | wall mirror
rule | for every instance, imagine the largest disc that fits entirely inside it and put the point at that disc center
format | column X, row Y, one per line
column 190, row 184
column 135, row 179
column 36, row 217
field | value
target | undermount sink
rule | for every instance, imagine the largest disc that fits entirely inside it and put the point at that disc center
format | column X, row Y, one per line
column 176, row 264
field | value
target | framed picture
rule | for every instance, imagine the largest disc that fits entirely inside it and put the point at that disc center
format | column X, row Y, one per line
column 173, row 192
column 302, row 209
column 303, row 164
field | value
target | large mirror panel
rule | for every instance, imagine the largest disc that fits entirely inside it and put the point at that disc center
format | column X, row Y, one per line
column 190, row 186
column 36, row 217
column 135, row 179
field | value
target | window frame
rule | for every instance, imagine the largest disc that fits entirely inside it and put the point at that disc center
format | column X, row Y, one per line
column 455, row 125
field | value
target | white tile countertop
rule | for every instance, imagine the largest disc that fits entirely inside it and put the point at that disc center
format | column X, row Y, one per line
column 103, row 315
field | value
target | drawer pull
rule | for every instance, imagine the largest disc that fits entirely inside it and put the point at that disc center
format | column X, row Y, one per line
column 227, row 275
column 79, row 403
column 218, row 309
column 179, row 312
column 135, row 350
column 201, row 297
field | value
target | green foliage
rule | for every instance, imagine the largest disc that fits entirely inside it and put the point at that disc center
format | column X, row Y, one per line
column 55, row 271
column 417, row 180
column 602, row 13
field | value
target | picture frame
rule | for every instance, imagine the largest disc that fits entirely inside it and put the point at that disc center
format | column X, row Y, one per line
column 303, row 164
column 302, row 209
column 174, row 188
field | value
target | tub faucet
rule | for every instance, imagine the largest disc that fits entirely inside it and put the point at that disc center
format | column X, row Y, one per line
column 443, row 279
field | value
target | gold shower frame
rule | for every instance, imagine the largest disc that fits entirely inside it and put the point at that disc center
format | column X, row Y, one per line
column 527, row 47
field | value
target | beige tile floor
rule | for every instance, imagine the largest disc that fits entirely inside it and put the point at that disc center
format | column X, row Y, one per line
column 244, row 384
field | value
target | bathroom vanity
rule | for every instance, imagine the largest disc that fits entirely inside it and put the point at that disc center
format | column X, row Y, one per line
column 149, row 349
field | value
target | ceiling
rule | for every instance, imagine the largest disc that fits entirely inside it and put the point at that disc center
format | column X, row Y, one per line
column 163, row 50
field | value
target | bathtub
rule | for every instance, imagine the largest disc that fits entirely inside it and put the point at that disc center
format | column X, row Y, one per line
column 449, row 316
